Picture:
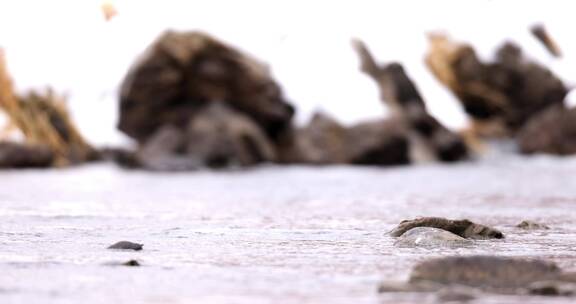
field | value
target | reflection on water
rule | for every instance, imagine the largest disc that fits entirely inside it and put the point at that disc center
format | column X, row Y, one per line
column 271, row 235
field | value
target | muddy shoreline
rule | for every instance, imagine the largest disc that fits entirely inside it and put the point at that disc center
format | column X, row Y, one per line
column 268, row 235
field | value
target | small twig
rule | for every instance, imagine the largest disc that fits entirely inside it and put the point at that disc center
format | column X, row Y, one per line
column 540, row 32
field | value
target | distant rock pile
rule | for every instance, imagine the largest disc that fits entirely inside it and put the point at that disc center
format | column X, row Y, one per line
column 192, row 101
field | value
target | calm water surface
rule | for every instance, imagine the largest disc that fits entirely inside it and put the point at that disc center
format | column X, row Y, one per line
column 269, row 235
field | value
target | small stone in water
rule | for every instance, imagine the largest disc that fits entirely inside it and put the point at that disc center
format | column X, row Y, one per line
column 132, row 263
column 530, row 225
column 125, row 245
column 432, row 237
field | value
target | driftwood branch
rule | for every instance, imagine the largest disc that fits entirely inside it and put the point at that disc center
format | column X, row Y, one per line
column 367, row 63
column 540, row 32
column 44, row 120
column 397, row 90
column 401, row 95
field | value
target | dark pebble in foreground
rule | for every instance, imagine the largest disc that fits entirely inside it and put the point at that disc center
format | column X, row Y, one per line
column 125, row 245
column 132, row 263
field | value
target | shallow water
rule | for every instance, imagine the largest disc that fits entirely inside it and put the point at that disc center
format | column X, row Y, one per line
column 269, row 235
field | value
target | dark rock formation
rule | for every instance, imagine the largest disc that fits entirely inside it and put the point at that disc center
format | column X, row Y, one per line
column 164, row 151
column 13, row 155
column 500, row 96
column 552, row 131
column 325, row 141
column 193, row 102
column 463, row 228
column 486, row 273
column 220, row 136
column 125, row 245
column 182, row 72
column 322, row 141
column 378, row 143
column 216, row 137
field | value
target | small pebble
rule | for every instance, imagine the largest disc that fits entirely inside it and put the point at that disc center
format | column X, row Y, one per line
column 530, row 225
column 132, row 263
column 125, row 245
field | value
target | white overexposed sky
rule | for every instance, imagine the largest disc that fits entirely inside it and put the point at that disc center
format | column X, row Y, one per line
column 68, row 45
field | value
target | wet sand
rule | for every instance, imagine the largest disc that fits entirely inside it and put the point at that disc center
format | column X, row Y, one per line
column 268, row 235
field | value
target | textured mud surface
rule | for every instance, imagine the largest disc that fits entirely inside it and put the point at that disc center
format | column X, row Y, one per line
column 268, row 235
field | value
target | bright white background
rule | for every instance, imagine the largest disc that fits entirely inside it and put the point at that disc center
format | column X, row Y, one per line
column 68, row 45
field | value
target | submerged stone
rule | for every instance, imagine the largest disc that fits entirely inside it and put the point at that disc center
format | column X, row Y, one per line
column 429, row 236
column 530, row 225
column 125, row 245
column 463, row 228
column 552, row 288
column 131, row 263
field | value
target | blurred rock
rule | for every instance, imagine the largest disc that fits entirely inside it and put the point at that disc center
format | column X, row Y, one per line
column 456, row 294
column 530, row 225
column 131, row 263
column 322, row 141
column 182, row 72
column 221, row 136
column 428, row 138
column 164, row 151
column 501, row 275
column 216, row 137
column 463, row 228
column 325, row 141
column 553, row 131
column 125, row 245
column 380, row 142
column 500, row 96
column 122, row 156
column 15, row 155
column 552, row 288
column 484, row 271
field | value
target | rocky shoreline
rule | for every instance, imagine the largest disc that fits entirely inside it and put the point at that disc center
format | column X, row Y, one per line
column 192, row 101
